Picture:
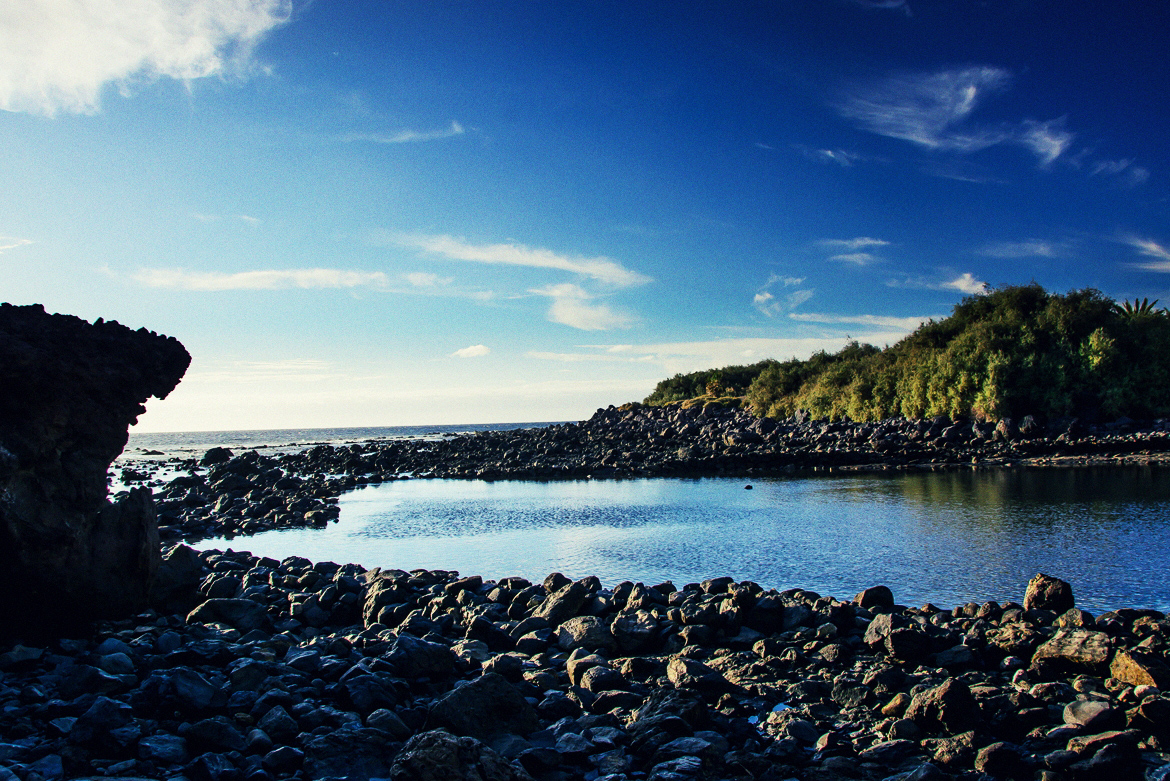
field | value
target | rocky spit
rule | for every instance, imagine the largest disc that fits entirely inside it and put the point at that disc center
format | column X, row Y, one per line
column 227, row 494
column 249, row 669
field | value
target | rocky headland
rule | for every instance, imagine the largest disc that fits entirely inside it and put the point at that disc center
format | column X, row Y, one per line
column 69, row 390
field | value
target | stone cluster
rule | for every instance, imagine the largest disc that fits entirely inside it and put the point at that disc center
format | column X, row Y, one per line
column 250, row 669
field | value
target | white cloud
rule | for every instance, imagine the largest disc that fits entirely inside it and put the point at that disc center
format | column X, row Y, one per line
column 933, row 109
column 691, row 356
column 786, row 281
column 770, row 305
column 407, row 136
column 8, row 242
column 1130, row 174
column 274, row 279
column 602, row 269
column 964, row 283
column 841, row 157
column 58, row 55
column 1020, row 249
column 248, row 219
column 906, row 324
column 861, row 242
column 426, row 279
column 571, row 307
column 474, row 351
column 1047, row 140
column 1151, row 249
column 856, row 258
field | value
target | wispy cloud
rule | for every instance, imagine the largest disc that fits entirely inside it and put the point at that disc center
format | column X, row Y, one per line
column 474, row 351
column 602, row 269
column 852, row 250
column 771, row 305
column 572, row 307
column 906, row 324
column 426, row 279
column 1020, row 249
column 58, row 55
column 856, row 258
column 901, row 6
column 933, row 110
column 840, row 157
column 245, row 218
column 690, row 356
column 861, row 242
column 407, row 136
column 8, row 242
column 1124, row 170
column 274, row 279
column 964, row 283
column 1151, row 249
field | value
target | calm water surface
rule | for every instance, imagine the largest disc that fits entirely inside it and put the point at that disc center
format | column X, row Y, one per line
column 943, row 537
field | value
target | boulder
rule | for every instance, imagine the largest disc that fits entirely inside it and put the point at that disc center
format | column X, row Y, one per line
column 1140, row 667
column 486, row 706
column 1048, row 593
column 439, row 756
column 70, row 391
column 1075, row 650
column 948, row 708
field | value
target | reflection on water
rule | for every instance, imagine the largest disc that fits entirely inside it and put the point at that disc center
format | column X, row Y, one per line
column 944, row 537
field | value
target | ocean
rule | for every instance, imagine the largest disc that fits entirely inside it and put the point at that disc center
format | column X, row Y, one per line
column 185, row 444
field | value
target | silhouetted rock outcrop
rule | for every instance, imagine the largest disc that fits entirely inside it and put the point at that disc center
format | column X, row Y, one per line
column 69, row 390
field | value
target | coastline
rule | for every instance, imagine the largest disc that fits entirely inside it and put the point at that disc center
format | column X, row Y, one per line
column 297, row 487
column 254, row 669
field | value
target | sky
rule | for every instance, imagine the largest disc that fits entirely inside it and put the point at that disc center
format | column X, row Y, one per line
column 433, row 212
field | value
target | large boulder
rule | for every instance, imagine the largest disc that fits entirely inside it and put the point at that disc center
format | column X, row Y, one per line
column 1048, row 593
column 69, row 391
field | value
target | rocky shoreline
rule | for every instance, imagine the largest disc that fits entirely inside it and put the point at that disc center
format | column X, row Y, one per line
column 249, row 669
column 227, row 494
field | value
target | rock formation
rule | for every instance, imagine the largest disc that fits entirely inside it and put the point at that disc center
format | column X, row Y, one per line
column 69, row 390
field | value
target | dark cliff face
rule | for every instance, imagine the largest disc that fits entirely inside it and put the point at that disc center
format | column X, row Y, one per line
column 69, row 391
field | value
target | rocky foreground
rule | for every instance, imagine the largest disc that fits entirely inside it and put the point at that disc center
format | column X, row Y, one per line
column 256, row 669
column 226, row 494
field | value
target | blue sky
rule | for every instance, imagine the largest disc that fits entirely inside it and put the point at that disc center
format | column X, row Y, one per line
column 403, row 213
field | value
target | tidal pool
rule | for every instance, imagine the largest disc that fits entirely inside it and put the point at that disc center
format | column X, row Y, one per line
column 945, row 537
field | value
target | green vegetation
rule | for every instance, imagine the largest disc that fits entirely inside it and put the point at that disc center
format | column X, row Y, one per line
column 1014, row 351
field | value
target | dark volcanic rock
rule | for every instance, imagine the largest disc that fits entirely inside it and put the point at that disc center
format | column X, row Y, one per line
column 69, row 390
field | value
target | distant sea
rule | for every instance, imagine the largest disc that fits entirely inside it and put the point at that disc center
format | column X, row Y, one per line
column 185, row 444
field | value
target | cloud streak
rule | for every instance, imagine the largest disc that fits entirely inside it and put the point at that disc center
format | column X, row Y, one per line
column 282, row 279
column 771, row 305
column 933, row 110
column 571, row 306
column 474, row 351
column 1151, row 249
column 906, row 324
column 602, row 269
column 964, row 283
column 8, row 242
column 407, row 136
column 1020, row 249
column 59, row 55
column 692, row 356
column 852, row 245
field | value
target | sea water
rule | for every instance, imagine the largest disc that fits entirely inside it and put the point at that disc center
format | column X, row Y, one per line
column 946, row 537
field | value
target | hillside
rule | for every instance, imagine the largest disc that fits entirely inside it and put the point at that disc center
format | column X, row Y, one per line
column 1017, row 350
